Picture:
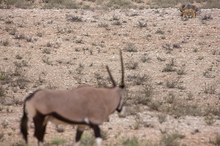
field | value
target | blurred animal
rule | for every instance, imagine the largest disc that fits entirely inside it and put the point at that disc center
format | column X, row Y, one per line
column 188, row 11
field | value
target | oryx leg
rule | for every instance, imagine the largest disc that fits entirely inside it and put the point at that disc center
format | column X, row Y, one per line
column 79, row 132
column 40, row 127
column 97, row 133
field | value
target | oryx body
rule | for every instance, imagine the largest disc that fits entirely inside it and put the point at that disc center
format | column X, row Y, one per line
column 85, row 105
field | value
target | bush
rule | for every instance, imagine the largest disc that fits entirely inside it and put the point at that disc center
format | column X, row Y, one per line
column 131, row 142
column 212, row 4
column 173, row 3
column 69, row 4
column 171, row 139
column 119, row 3
column 17, row 3
column 87, row 140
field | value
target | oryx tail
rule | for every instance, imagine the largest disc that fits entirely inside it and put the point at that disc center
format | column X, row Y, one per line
column 24, row 119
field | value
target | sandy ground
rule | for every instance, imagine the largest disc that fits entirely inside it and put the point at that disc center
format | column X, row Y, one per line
column 65, row 48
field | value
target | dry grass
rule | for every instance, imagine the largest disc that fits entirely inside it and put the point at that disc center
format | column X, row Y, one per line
column 171, row 139
column 67, row 4
column 73, row 4
column 165, row 75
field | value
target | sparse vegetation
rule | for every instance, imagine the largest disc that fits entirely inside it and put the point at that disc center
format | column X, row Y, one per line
column 138, row 122
column 169, row 66
column 68, row 4
column 101, row 81
column 5, row 42
column 132, row 65
column 73, row 18
column 211, row 4
column 139, row 79
column 171, row 75
column 210, row 88
column 119, row 3
column 173, row 83
column 181, row 108
column 46, row 51
column 17, row 3
column 172, row 3
column 181, row 71
column 130, row 47
column 171, row 139
column 57, row 141
column 46, row 60
column 215, row 140
column 4, row 124
column 87, row 140
column 1, row 137
column 155, row 105
column 4, row 77
column 145, row 58
column 21, row 82
column 209, row 119
column 19, row 143
column 72, row 4
column 142, row 24
column 145, row 95
column 131, row 142
column 103, row 24
column 2, row 94
column 162, row 117
column 19, row 36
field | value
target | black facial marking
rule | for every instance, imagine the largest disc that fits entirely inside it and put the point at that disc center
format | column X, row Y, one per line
column 119, row 107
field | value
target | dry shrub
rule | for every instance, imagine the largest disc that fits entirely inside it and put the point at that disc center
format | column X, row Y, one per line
column 215, row 140
column 119, row 3
column 68, row 4
column 212, row 4
column 171, row 139
column 163, row 3
column 2, row 91
column 131, row 142
column 24, row 4
column 173, row 3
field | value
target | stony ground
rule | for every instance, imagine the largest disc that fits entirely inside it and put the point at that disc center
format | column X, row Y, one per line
column 172, row 70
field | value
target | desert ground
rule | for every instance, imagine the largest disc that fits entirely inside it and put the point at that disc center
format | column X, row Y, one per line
column 172, row 71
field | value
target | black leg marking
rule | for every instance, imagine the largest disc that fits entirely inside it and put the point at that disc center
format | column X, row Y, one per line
column 79, row 133
column 39, row 127
column 96, row 130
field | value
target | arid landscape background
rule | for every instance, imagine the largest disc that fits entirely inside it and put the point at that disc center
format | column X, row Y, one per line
column 172, row 67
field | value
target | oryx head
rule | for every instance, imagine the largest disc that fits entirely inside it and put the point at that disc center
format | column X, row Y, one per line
column 121, row 87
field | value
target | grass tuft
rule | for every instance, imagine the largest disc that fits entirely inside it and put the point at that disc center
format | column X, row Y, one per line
column 131, row 142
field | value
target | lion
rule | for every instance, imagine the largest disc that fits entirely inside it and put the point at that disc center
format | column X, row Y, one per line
column 188, row 11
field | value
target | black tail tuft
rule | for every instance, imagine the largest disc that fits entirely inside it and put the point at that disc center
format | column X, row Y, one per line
column 24, row 126
column 24, row 119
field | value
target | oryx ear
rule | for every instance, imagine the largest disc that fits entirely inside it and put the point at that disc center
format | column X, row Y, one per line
column 182, row 7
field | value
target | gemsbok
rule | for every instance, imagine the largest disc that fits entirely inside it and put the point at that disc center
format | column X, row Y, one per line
column 82, row 106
